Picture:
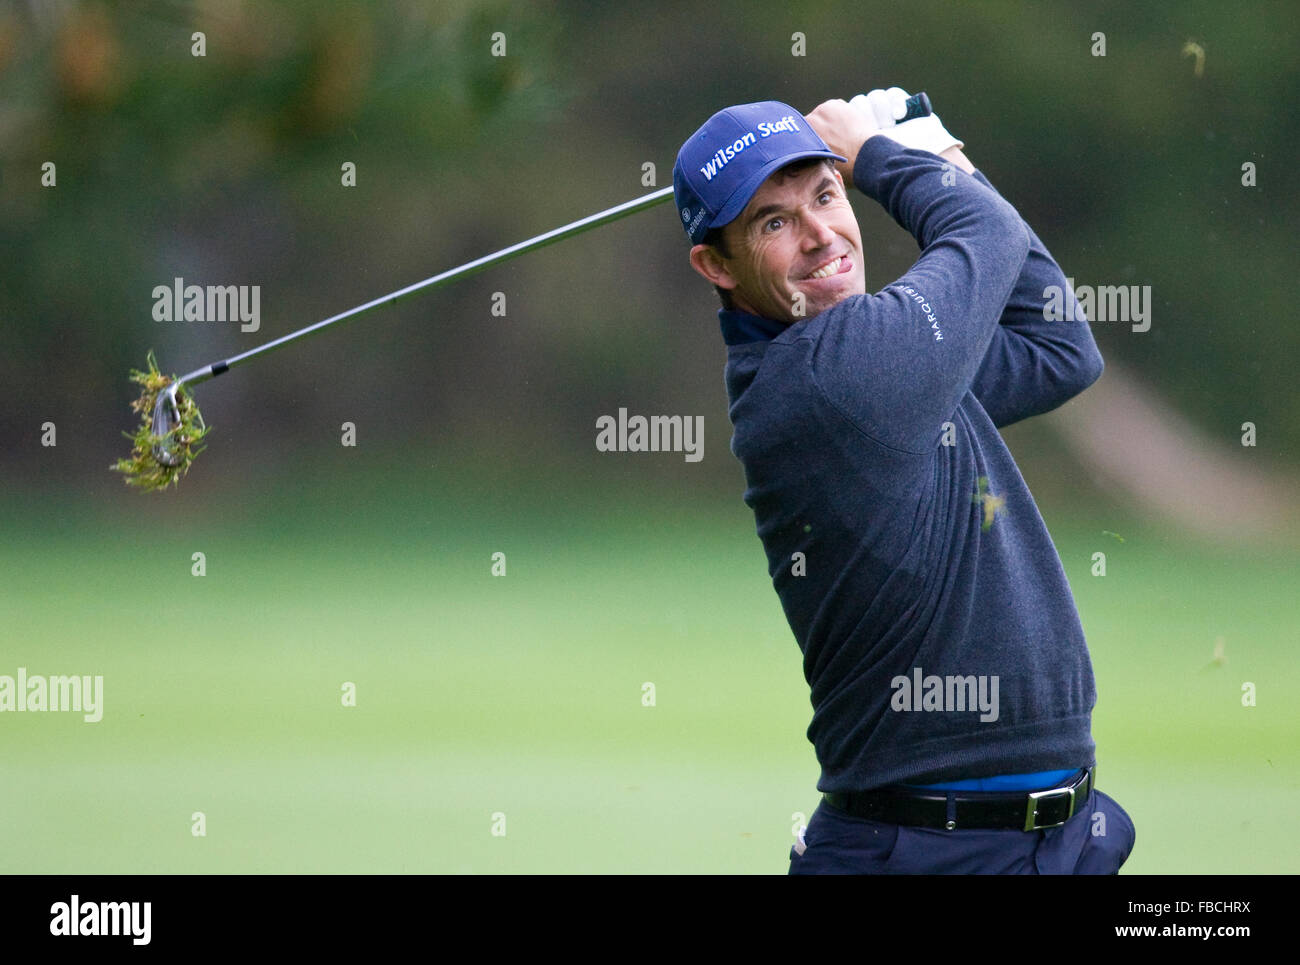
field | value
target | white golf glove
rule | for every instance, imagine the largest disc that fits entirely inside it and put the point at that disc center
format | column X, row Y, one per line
column 886, row 107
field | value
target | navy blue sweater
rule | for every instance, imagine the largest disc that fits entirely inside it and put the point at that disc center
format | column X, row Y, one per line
column 900, row 536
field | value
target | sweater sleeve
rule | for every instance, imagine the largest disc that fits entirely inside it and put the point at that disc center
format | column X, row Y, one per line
column 898, row 363
column 1036, row 362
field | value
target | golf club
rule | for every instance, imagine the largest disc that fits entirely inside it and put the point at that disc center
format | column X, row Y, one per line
column 166, row 414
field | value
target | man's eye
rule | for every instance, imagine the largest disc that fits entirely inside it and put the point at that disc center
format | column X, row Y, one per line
column 826, row 198
column 773, row 224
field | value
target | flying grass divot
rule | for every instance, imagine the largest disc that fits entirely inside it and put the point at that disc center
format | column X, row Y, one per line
column 142, row 468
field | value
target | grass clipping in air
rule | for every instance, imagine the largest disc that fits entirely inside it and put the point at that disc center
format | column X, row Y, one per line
column 142, row 469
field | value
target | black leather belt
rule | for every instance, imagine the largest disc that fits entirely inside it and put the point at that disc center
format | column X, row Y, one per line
column 951, row 810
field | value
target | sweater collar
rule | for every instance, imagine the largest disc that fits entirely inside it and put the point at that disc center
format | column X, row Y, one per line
column 739, row 327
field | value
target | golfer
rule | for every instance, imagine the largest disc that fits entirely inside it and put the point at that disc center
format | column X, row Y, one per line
column 950, row 680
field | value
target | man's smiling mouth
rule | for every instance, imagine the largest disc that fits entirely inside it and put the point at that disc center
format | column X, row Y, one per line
column 830, row 268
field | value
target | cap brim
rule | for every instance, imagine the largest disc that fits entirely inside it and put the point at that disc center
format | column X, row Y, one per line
column 742, row 195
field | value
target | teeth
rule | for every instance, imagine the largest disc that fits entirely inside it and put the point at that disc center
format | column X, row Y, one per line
column 829, row 270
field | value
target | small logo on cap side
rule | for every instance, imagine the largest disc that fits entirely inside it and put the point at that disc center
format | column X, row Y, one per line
column 690, row 228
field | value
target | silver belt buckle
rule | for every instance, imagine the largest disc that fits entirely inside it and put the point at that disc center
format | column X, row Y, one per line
column 1031, row 810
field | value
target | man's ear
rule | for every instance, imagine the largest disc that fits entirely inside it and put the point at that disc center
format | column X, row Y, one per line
column 706, row 260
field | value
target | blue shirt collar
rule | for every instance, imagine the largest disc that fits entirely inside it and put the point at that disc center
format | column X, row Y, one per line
column 739, row 327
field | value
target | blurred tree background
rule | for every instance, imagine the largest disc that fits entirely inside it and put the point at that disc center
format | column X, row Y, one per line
column 375, row 565
column 226, row 169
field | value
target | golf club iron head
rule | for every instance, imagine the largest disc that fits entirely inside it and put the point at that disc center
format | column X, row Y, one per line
column 166, row 419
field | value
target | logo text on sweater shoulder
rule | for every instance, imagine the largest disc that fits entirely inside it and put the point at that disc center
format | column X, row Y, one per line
column 930, row 316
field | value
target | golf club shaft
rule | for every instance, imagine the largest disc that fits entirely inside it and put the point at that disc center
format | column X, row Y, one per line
column 918, row 105
column 469, row 268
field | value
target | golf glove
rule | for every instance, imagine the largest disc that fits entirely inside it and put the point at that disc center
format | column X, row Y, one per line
column 885, row 107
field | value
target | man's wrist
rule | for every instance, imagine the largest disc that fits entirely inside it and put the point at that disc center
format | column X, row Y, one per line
column 955, row 156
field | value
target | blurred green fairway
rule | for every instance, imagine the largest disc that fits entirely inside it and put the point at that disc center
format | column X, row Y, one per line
column 523, row 694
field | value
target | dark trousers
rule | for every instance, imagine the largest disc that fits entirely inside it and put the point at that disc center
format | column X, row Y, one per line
column 1095, row 841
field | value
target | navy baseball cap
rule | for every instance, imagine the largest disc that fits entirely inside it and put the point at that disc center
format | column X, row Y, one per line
column 723, row 163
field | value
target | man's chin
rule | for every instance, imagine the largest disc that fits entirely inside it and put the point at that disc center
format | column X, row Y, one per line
column 812, row 305
column 818, row 301
column 824, row 302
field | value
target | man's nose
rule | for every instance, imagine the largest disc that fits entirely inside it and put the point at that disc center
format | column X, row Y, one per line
column 817, row 233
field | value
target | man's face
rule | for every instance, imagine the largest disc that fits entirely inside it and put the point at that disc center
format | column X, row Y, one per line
column 798, row 235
